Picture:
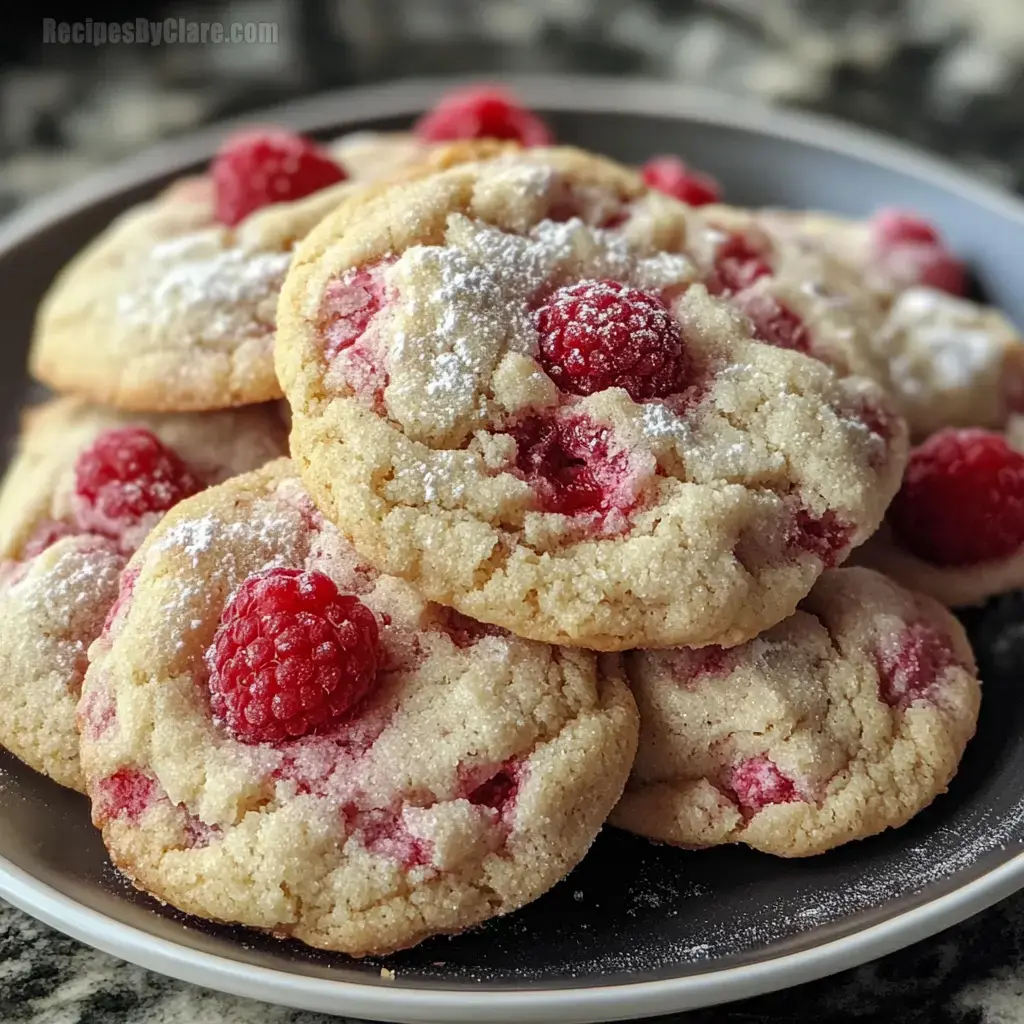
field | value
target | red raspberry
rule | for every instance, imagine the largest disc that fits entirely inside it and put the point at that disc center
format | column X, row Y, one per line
column 775, row 323
column 891, row 227
column 572, row 467
column 481, row 112
column 126, row 476
column 601, row 334
column 825, row 537
column 738, row 264
column 911, row 250
column 757, row 782
column 909, row 668
column 929, row 265
column 690, row 666
column 291, row 656
column 670, row 175
column 257, row 168
column 962, row 499
column 125, row 794
column 383, row 831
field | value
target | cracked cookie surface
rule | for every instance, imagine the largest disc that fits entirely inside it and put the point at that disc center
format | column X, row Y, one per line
column 427, row 422
column 176, row 310
column 59, row 578
column 846, row 719
column 472, row 776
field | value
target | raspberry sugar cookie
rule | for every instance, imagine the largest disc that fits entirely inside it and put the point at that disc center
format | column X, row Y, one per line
column 944, row 361
column 85, row 487
column 955, row 530
column 846, row 719
column 275, row 735
column 507, row 388
column 174, row 303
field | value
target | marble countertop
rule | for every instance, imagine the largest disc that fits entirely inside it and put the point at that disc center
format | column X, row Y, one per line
column 945, row 74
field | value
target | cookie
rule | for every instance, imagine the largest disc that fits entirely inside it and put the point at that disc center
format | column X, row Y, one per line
column 175, row 307
column 945, row 361
column 956, row 528
column 85, row 486
column 892, row 250
column 507, row 388
column 277, row 736
column 844, row 720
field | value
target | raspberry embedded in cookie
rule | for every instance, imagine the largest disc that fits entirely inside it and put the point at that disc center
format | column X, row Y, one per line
column 291, row 656
column 481, row 112
column 824, row 536
column 602, row 334
column 670, row 175
column 962, row 499
column 738, row 264
column 125, row 794
column 892, row 226
column 774, row 322
column 757, row 783
column 909, row 667
column 382, row 831
column 257, row 168
column 500, row 790
column 911, row 250
column 573, row 466
column 126, row 476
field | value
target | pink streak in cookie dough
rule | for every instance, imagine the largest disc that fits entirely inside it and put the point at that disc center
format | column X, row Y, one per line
column 125, row 794
column 124, row 597
column 757, row 783
column 97, row 713
column 576, row 467
column 349, row 305
column 910, row 665
column 825, row 536
column 45, row 535
column 691, row 667
column 383, row 831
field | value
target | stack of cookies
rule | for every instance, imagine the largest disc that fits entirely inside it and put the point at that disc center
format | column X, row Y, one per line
column 575, row 452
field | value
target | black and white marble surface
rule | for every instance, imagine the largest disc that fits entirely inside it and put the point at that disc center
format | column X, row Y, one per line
column 945, row 74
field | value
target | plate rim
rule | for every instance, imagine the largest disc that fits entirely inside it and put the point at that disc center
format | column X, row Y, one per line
column 399, row 1000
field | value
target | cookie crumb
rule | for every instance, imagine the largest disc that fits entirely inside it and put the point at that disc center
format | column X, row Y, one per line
column 386, row 974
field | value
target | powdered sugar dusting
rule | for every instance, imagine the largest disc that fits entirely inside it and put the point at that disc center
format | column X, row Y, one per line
column 465, row 304
column 938, row 341
column 197, row 275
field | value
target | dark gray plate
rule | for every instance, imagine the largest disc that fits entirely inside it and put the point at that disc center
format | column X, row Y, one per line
column 637, row 929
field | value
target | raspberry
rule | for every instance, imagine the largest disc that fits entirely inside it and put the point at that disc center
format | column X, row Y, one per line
column 670, row 175
column 257, row 168
column 384, row 832
column 962, row 499
column 757, row 783
column 500, row 790
column 602, row 334
column 125, row 794
column 824, row 536
column 775, row 323
column 480, row 112
column 912, row 251
column 570, row 465
column 909, row 668
column 929, row 265
column 128, row 475
column 738, row 264
column 891, row 227
column 291, row 656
